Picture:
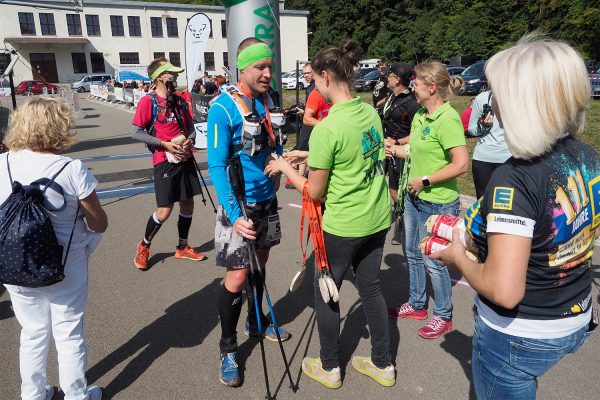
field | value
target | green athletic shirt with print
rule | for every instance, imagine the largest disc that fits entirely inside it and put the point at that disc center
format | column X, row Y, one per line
column 430, row 139
column 349, row 143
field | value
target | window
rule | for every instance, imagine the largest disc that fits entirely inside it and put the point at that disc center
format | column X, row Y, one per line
column 134, row 26
column 172, row 30
column 26, row 23
column 223, row 28
column 74, row 24
column 211, row 33
column 4, row 61
column 209, row 60
column 97, row 60
column 47, row 24
column 156, row 26
column 159, row 54
column 225, row 59
column 92, row 22
column 79, row 64
column 175, row 59
column 116, row 25
column 129, row 58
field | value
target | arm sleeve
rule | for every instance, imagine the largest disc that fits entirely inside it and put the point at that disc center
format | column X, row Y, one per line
column 509, row 204
column 219, row 135
column 475, row 114
column 140, row 134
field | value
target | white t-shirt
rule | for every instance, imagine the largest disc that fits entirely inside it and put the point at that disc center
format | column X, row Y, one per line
column 74, row 183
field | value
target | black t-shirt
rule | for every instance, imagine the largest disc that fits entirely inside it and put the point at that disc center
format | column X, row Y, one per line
column 553, row 199
column 380, row 91
column 398, row 113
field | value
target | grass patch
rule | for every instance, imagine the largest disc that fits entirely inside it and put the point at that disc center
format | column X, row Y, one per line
column 591, row 134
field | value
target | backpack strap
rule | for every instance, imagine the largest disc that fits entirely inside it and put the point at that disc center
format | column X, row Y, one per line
column 150, row 130
column 47, row 184
column 55, row 176
column 71, row 236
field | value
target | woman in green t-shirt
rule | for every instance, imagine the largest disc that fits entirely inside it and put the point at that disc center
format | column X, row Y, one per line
column 346, row 160
column 438, row 154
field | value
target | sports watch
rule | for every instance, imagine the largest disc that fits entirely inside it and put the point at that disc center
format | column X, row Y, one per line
column 425, row 181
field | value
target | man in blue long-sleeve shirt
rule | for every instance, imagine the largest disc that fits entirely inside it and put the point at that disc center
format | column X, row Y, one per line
column 239, row 126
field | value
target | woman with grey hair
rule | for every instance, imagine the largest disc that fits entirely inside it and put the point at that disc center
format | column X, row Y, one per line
column 534, row 301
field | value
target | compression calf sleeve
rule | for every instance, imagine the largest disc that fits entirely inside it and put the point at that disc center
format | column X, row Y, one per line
column 152, row 228
column 230, row 307
column 183, row 227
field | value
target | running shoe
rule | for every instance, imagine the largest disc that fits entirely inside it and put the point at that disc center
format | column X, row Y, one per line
column 313, row 368
column 228, row 372
column 190, row 253
column 141, row 258
column 407, row 311
column 385, row 376
column 435, row 328
column 49, row 392
column 94, row 393
column 251, row 330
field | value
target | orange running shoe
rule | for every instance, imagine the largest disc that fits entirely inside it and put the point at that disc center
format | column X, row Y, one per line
column 141, row 258
column 190, row 253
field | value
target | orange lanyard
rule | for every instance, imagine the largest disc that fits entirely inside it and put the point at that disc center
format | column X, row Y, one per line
column 267, row 119
column 312, row 210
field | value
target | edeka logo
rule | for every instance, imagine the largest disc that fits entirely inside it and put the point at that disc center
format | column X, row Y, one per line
column 265, row 32
column 503, row 198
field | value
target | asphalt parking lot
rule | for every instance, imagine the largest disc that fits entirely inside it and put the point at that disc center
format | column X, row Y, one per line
column 154, row 335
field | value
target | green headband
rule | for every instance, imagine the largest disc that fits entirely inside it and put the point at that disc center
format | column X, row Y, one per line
column 252, row 54
column 166, row 67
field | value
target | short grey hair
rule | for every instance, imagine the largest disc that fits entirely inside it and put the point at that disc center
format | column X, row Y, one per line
column 541, row 91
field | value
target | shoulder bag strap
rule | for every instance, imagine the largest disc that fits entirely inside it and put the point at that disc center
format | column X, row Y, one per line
column 8, row 169
column 72, row 231
column 55, row 176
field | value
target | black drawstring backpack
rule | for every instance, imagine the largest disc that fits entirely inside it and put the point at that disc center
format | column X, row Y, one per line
column 30, row 254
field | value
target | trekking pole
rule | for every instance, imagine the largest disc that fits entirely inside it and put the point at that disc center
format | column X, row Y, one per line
column 179, row 119
column 236, row 178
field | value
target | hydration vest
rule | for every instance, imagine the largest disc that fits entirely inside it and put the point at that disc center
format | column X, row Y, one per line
column 259, row 133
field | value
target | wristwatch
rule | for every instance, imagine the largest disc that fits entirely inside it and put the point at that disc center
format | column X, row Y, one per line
column 425, row 181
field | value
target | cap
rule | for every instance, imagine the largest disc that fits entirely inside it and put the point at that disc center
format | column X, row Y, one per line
column 166, row 67
column 402, row 70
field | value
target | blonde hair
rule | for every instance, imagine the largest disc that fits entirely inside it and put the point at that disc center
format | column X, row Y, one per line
column 42, row 124
column 541, row 90
column 435, row 73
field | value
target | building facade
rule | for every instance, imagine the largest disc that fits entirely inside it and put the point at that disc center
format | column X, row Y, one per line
column 63, row 46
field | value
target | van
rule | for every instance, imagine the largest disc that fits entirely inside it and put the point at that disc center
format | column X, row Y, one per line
column 84, row 84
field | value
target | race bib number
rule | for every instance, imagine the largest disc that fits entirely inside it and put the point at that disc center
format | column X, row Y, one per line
column 273, row 228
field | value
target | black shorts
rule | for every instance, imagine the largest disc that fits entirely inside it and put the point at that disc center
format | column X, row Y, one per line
column 231, row 248
column 175, row 182
column 303, row 137
column 395, row 172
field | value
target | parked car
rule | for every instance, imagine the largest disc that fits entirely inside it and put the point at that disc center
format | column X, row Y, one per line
column 35, row 87
column 475, row 79
column 454, row 70
column 367, row 82
column 288, row 80
column 84, row 84
column 359, row 73
column 595, row 82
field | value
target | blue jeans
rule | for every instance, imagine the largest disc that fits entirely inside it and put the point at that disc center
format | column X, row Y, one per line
column 507, row 367
column 416, row 214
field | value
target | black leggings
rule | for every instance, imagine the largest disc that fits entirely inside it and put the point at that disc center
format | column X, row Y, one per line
column 364, row 254
column 482, row 172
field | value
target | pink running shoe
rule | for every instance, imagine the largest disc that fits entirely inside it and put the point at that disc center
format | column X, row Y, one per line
column 435, row 328
column 407, row 311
